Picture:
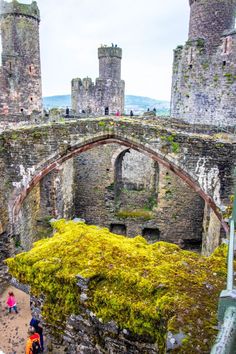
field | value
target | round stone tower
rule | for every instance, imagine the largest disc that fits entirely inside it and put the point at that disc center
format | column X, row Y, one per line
column 19, row 24
column 210, row 18
column 110, row 62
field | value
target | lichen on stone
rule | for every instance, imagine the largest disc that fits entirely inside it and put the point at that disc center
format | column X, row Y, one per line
column 146, row 289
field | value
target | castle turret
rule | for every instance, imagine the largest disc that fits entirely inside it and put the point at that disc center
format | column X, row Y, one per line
column 210, row 18
column 106, row 96
column 21, row 72
column 110, row 62
column 204, row 71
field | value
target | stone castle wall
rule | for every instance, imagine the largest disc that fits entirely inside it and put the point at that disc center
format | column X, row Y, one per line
column 88, row 334
column 20, row 74
column 106, row 95
column 110, row 62
column 111, row 179
column 204, row 69
column 209, row 19
column 87, row 187
column 91, row 98
column 53, row 197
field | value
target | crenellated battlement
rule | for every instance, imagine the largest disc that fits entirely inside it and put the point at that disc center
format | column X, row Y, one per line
column 84, row 83
column 106, row 95
column 111, row 52
column 16, row 8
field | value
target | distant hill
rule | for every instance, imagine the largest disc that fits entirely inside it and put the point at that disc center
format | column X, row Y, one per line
column 61, row 101
column 138, row 104
column 141, row 104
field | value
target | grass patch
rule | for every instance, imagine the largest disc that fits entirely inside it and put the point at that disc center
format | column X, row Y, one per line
column 137, row 213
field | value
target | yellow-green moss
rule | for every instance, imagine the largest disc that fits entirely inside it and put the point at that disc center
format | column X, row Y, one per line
column 137, row 213
column 148, row 289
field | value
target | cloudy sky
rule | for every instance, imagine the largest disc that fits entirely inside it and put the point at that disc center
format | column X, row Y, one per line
column 146, row 30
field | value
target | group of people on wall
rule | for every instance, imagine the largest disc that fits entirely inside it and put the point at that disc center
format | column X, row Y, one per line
column 106, row 112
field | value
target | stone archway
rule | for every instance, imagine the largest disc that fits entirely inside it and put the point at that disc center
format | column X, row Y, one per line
column 17, row 201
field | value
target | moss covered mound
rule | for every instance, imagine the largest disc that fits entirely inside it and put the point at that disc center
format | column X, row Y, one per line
column 148, row 289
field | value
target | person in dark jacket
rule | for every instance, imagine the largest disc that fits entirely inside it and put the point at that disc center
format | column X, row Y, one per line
column 33, row 342
column 38, row 329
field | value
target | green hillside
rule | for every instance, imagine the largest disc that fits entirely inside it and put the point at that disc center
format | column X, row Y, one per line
column 138, row 104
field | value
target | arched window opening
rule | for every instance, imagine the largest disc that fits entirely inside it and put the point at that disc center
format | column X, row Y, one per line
column 136, row 180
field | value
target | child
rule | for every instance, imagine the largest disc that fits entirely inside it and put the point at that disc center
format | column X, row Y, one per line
column 11, row 302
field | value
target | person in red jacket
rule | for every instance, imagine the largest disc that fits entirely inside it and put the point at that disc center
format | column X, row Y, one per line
column 33, row 342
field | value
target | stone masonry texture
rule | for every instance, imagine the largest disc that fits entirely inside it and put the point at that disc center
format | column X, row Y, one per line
column 204, row 69
column 45, row 160
column 101, row 168
column 113, row 178
column 20, row 73
column 106, row 95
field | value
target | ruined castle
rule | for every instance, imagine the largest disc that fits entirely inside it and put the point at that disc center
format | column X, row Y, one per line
column 152, row 177
column 109, row 182
column 204, row 69
column 20, row 73
column 107, row 94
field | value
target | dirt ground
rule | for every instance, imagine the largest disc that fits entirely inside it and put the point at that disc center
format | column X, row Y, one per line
column 14, row 327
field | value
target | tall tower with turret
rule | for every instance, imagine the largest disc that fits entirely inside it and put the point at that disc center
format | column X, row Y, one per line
column 106, row 96
column 110, row 63
column 20, row 73
column 204, row 69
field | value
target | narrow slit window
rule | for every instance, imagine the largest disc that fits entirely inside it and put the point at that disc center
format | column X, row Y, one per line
column 225, row 45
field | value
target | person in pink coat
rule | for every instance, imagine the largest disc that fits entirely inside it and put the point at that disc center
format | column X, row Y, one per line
column 11, row 302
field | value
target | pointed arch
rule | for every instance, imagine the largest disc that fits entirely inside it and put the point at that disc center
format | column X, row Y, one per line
column 18, row 199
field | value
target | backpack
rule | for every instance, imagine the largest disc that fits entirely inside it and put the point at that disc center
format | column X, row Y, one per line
column 36, row 347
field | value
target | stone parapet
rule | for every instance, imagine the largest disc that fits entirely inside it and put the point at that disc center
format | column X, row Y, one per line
column 16, row 8
column 109, row 52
